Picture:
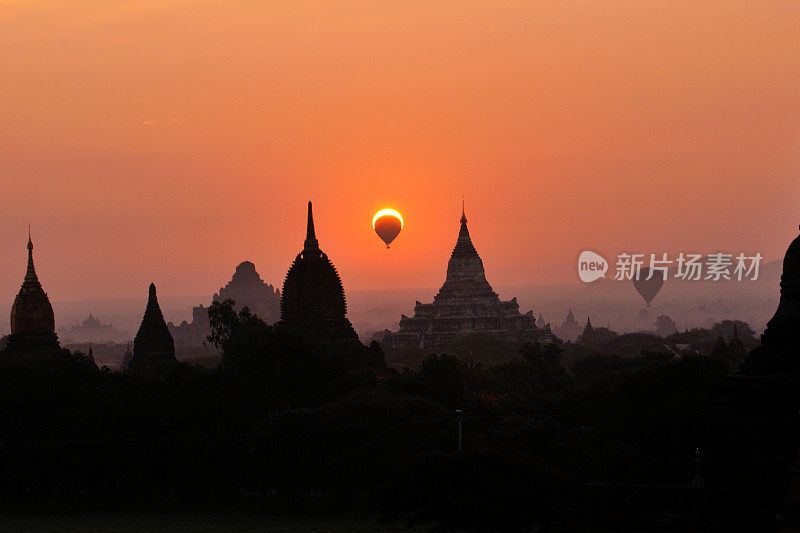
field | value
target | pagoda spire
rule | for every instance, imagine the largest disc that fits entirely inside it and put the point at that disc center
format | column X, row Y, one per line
column 464, row 240
column 153, row 341
column 30, row 274
column 311, row 242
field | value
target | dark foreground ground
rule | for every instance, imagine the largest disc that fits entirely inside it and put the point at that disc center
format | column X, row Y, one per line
column 151, row 522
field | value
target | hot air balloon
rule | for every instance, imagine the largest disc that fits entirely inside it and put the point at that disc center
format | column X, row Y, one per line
column 387, row 223
column 648, row 288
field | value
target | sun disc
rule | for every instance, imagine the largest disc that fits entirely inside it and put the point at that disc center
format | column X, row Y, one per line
column 384, row 212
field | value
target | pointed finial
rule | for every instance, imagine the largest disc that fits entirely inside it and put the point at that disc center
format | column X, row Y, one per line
column 463, row 213
column 152, row 292
column 311, row 242
column 30, row 273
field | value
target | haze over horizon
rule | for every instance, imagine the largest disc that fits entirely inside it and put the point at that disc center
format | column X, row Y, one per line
column 144, row 143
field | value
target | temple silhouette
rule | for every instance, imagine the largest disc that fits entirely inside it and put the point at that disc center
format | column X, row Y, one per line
column 780, row 342
column 569, row 330
column 313, row 301
column 246, row 289
column 92, row 329
column 153, row 342
column 466, row 304
column 33, row 326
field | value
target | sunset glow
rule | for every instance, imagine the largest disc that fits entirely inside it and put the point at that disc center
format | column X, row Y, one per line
column 142, row 137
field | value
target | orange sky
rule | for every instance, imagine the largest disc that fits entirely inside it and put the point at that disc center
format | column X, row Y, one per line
column 168, row 141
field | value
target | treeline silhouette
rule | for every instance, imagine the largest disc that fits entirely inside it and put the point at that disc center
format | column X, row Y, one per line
column 285, row 426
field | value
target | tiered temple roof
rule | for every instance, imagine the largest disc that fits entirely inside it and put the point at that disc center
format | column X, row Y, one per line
column 247, row 289
column 313, row 300
column 466, row 304
column 153, row 342
column 33, row 327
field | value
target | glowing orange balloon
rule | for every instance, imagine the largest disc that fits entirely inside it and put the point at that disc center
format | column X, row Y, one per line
column 387, row 223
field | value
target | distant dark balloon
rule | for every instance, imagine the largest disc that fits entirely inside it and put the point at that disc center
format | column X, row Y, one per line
column 648, row 288
column 387, row 224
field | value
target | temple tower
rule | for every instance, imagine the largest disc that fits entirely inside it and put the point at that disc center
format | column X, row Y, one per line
column 779, row 352
column 783, row 329
column 33, row 327
column 313, row 300
column 247, row 289
column 153, row 342
column 569, row 330
column 466, row 305
column 586, row 336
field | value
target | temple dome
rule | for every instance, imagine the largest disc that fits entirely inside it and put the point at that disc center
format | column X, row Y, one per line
column 312, row 289
column 32, row 313
column 791, row 262
column 247, row 270
column 782, row 329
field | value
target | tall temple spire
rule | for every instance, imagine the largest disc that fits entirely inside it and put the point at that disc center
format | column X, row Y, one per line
column 465, row 265
column 311, row 238
column 153, row 341
column 464, row 246
column 30, row 274
column 312, row 299
column 33, row 327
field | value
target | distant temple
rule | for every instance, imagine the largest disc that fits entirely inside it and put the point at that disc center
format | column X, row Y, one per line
column 90, row 357
column 127, row 358
column 736, row 351
column 246, row 289
column 465, row 305
column 192, row 334
column 569, row 330
column 33, row 326
column 313, row 300
column 153, row 342
column 92, row 330
column 779, row 352
column 586, row 336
